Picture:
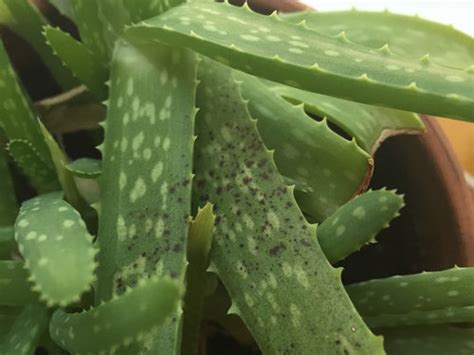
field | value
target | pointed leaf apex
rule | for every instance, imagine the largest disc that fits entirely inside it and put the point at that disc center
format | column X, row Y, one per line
column 412, row 86
column 426, row 59
column 385, row 50
column 342, row 37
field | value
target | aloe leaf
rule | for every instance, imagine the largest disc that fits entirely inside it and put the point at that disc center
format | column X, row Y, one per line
column 86, row 168
column 357, row 223
column 118, row 322
column 432, row 340
column 406, row 36
column 326, row 169
column 17, row 118
column 8, row 316
column 7, row 242
column 369, row 125
column 16, row 290
column 266, row 255
column 8, row 203
column 77, row 57
column 57, row 249
column 419, row 292
column 95, row 33
column 199, row 246
column 41, row 175
column 436, row 316
column 27, row 22
column 147, row 172
column 65, row 178
column 24, row 335
column 267, row 46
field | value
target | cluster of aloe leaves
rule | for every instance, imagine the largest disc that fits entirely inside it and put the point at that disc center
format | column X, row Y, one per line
column 209, row 110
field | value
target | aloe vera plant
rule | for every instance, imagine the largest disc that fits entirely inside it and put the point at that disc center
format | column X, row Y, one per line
column 204, row 109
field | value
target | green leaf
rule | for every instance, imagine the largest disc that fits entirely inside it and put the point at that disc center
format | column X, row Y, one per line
column 77, row 57
column 86, row 168
column 436, row 316
column 41, row 175
column 57, row 249
column 326, row 169
column 95, row 33
column 24, row 336
column 369, row 125
column 264, row 251
column 267, row 46
column 27, row 22
column 405, row 36
column 147, row 173
column 419, row 292
column 433, row 340
column 199, row 246
column 7, row 242
column 16, row 290
column 8, row 203
column 17, row 117
column 66, row 179
column 357, row 223
column 118, row 322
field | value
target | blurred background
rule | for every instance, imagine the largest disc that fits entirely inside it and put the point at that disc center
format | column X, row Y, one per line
column 459, row 14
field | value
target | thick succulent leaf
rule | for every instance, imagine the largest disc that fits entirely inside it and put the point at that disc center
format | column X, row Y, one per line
column 8, row 203
column 79, row 59
column 266, row 253
column 118, row 322
column 437, row 316
column 147, row 172
column 86, row 168
column 95, row 33
column 406, row 36
column 8, row 315
column 40, row 173
column 24, row 335
column 369, row 125
column 7, row 241
column 276, row 50
column 15, row 290
column 26, row 21
column 357, row 223
column 433, row 340
column 65, row 178
column 199, row 246
column 124, row 12
column 17, row 118
column 419, row 292
column 326, row 169
column 57, row 249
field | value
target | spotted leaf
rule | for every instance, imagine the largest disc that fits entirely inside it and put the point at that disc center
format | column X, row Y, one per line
column 147, row 172
column 405, row 36
column 119, row 322
column 14, row 285
column 79, row 59
column 432, row 340
column 357, row 223
column 57, row 249
column 420, row 292
column 369, row 125
column 264, row 251
column 25, row 333
column 326, row 169
column 267, row 46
